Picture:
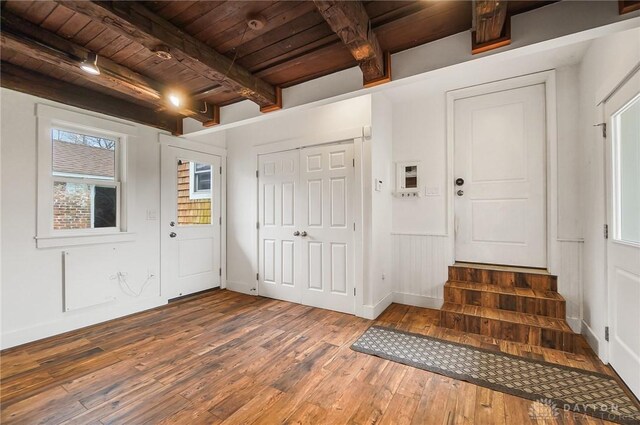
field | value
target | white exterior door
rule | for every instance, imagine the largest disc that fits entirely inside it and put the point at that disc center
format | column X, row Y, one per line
column 622, row 114
column 306, row 226
column 279, row 250
column 191, row 197
column 499, row 168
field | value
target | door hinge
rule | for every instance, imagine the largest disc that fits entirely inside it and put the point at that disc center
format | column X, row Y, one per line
column 220, row 271
column 354, row 226
column 257, row 224
column 257, row 276
column 354, row 292
column 220, row 221
column 220, row 170
column 603, row 126
column 606, row 231
column 606, row 333
column 354, row 162
column 256, row 173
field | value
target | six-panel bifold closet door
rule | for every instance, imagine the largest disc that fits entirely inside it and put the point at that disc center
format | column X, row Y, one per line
column 306, row 226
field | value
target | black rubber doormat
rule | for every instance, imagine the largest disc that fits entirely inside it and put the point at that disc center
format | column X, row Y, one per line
column 553, row 387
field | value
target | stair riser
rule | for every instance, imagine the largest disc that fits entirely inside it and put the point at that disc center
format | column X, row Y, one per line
column 521, row 304
column 514, row 332
column 506, row 279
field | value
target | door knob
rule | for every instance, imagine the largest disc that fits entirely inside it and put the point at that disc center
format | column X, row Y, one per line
column 172, row 235
column 296, row 233
column 460, row 193
column 459, row 181
column 172, row 224
column 303, row 234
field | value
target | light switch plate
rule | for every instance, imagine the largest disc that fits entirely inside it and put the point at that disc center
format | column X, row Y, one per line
column 378, row 185
column 432, row 191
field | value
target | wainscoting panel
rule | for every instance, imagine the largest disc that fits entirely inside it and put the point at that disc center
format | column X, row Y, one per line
column 420, row 269
column 569, row 280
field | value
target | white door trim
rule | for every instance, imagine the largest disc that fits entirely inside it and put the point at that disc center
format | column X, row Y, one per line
column 357, row 194
column 167, row 140
column 548, row 78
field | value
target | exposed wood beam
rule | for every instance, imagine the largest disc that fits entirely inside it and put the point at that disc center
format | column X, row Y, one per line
column 627, row 6
column 349, row 20
column 16, row 78
column 24, row 37
column 492, row 27
column 136, row 22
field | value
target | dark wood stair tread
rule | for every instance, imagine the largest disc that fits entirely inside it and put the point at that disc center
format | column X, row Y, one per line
column 507, row 278
column 490, row 287
column 544, row 322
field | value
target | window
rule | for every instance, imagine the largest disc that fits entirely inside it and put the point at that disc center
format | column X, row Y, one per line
column 199, row 181
column 82, row 178
column 626, row 157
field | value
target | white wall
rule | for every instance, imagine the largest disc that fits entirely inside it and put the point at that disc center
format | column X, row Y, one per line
column 298, row 128
column 607, row 61
column 32, row 286
column 379, row 280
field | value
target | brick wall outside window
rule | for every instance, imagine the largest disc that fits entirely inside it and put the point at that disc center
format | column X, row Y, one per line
column 71, row 206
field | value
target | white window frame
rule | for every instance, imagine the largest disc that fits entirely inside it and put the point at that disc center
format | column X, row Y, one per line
column 193, row 193
column 49, row 117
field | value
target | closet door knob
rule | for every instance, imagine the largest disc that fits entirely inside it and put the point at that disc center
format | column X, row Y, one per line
column 296, row 233
column 460, row 193
column 303, row 234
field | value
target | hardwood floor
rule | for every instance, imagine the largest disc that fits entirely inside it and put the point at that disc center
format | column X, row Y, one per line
column 229, row 358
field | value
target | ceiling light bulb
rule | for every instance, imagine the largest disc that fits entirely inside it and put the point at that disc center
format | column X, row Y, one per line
column 174, row 99
column 90, row 65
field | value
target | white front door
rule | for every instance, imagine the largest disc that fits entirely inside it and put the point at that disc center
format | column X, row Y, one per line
column 305, row 246
column 499, row 172
column 622, row 115
column 190, row 221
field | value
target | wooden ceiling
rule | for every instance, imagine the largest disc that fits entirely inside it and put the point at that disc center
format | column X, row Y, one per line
column 217, row 58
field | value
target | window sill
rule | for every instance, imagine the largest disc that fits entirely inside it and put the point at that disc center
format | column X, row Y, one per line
column 75, row 240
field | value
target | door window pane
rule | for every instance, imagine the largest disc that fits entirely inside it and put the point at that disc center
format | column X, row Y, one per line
column 194, row 193
column 627, row 171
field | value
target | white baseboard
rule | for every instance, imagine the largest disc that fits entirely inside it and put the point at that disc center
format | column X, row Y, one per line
column 73, row 321
column 594, row 341
column 417, row 300
column 575, row 323
column 241, row 287
column 371, row 312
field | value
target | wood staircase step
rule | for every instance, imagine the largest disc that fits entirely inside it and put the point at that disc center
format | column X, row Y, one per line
column 506, row 277
column 523, row 300
column 544, row 331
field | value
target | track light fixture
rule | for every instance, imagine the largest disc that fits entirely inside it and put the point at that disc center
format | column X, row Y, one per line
column 90, row 65
column 175, row 100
